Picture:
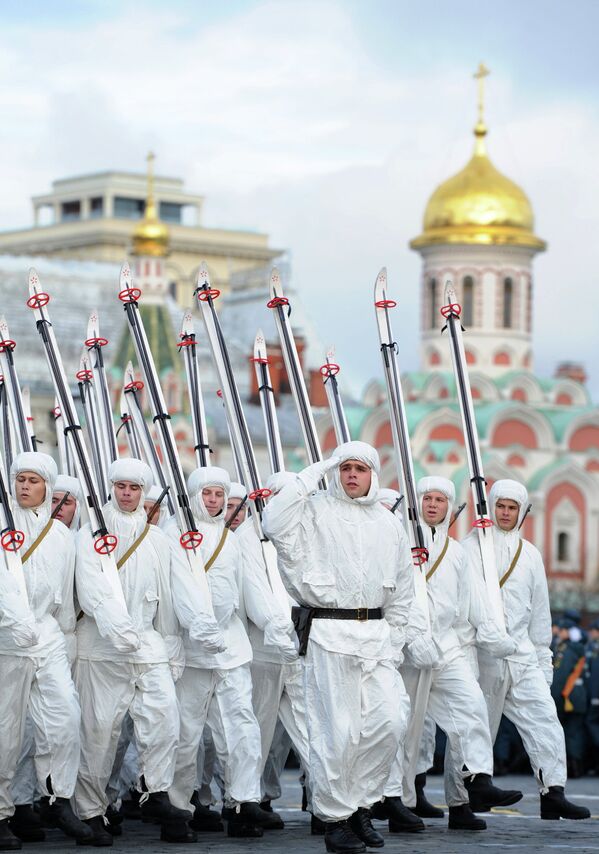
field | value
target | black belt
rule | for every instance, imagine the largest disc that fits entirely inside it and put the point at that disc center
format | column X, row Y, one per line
column 360, row 614
column 302, row 617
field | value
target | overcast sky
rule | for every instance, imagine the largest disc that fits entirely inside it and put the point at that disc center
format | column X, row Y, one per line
column 328, row 125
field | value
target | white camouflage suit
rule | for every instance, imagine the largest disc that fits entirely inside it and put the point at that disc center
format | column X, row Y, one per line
column 123, row 658
column 277, row 675
column 455, row 701
column 216, row 688
column 339, row 552
column 519, row 689
column 36, row 678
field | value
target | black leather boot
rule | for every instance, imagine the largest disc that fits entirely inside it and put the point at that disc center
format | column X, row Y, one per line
column 115, row 820
column 159, row 808
column 317, row 826
column 423, row 806
column 462, row 818
column 554, row 805
column 244, row 820
column 101, row 838
column 401, row 819
column 8, row 841
column 26, row 824
column 60, row 814
column 204, row 819
column 130, row 807
column 339, row 838
column 177, row 832
column 274, row 821
column 362, row 826
column 483, row 795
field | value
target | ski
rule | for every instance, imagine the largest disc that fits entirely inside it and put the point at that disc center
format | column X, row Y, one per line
column 26, row 398
column 399, row 422
column 64, row 455
column 187, row 346
column 407, row 481
column 11, row 539
column 8, row 437
column 13, row 390
column 267, row 403
column 131, row 389
column 241, row 442
column 451, row 311
column 282, row 309
column 94, row 343
column 240, row 437
column 85, row 379
column 130, row 431
column 329, row 372
column 104, row 542
column 190, row 538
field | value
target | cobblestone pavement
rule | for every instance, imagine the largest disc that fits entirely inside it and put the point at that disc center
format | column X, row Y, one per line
column 519, row 828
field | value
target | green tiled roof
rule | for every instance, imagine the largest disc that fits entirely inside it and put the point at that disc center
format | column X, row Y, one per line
column 161, row 338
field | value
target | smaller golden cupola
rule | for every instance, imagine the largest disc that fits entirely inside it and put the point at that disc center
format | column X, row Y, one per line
column 151, row 236
column 479, row 205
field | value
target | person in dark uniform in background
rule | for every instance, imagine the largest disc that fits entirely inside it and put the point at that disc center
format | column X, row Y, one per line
column 569, row 692
column 592, row 686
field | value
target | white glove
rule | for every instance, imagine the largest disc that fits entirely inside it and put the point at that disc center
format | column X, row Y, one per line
column 312, row 475
column 398, row 658
column 548, row 674
column 495, row 641
column 126, row 641
column 25, row 635
column 207, row 632
column 422, row 652
column 176, row 668
column 279, row 636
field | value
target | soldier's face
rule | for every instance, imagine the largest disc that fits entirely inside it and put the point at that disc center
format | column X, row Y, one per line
column 232, row 505
column 67, row 511
column 214, row 499
column 434, row 507
column 506, row 513
column 355, row 478
column 127, row 495
column 30, row 488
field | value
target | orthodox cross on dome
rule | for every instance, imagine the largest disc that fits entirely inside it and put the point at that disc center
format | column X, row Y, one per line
column 150, row 176
column 480, row 74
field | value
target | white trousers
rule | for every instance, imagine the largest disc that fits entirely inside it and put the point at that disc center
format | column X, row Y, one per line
column 223, row 699
column 275, row 763
column 523, row 696
column 278, row 692
column 44, row 688
column 456, row 704
column 24, row 783
column 357, row 713
column 109, row 690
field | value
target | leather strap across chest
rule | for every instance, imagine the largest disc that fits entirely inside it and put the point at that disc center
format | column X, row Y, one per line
column 512, row 565
column 27, row 554
column 437, row 563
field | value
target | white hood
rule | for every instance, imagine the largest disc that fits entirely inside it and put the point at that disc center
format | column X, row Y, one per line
column 66, row 483
column 237, row 490
column 365, row 454
column 506, row 542
column 30, row 521
column 210, row 526
column 127, row 526
column 437, row 534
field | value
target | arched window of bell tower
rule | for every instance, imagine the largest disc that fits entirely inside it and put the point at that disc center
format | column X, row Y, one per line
column 432, row 288
column 468, row 301
column 508, row 300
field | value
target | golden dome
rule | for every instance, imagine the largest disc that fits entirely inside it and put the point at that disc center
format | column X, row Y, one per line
column 151, row 236
column 479, row 205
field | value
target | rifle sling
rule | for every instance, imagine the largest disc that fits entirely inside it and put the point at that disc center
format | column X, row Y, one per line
column 217, row 550
column 437, row 563
column 512, row 565
column 124, row 558
column 37, row 541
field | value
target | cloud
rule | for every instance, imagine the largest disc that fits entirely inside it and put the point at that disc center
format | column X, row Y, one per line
column 283, row 115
